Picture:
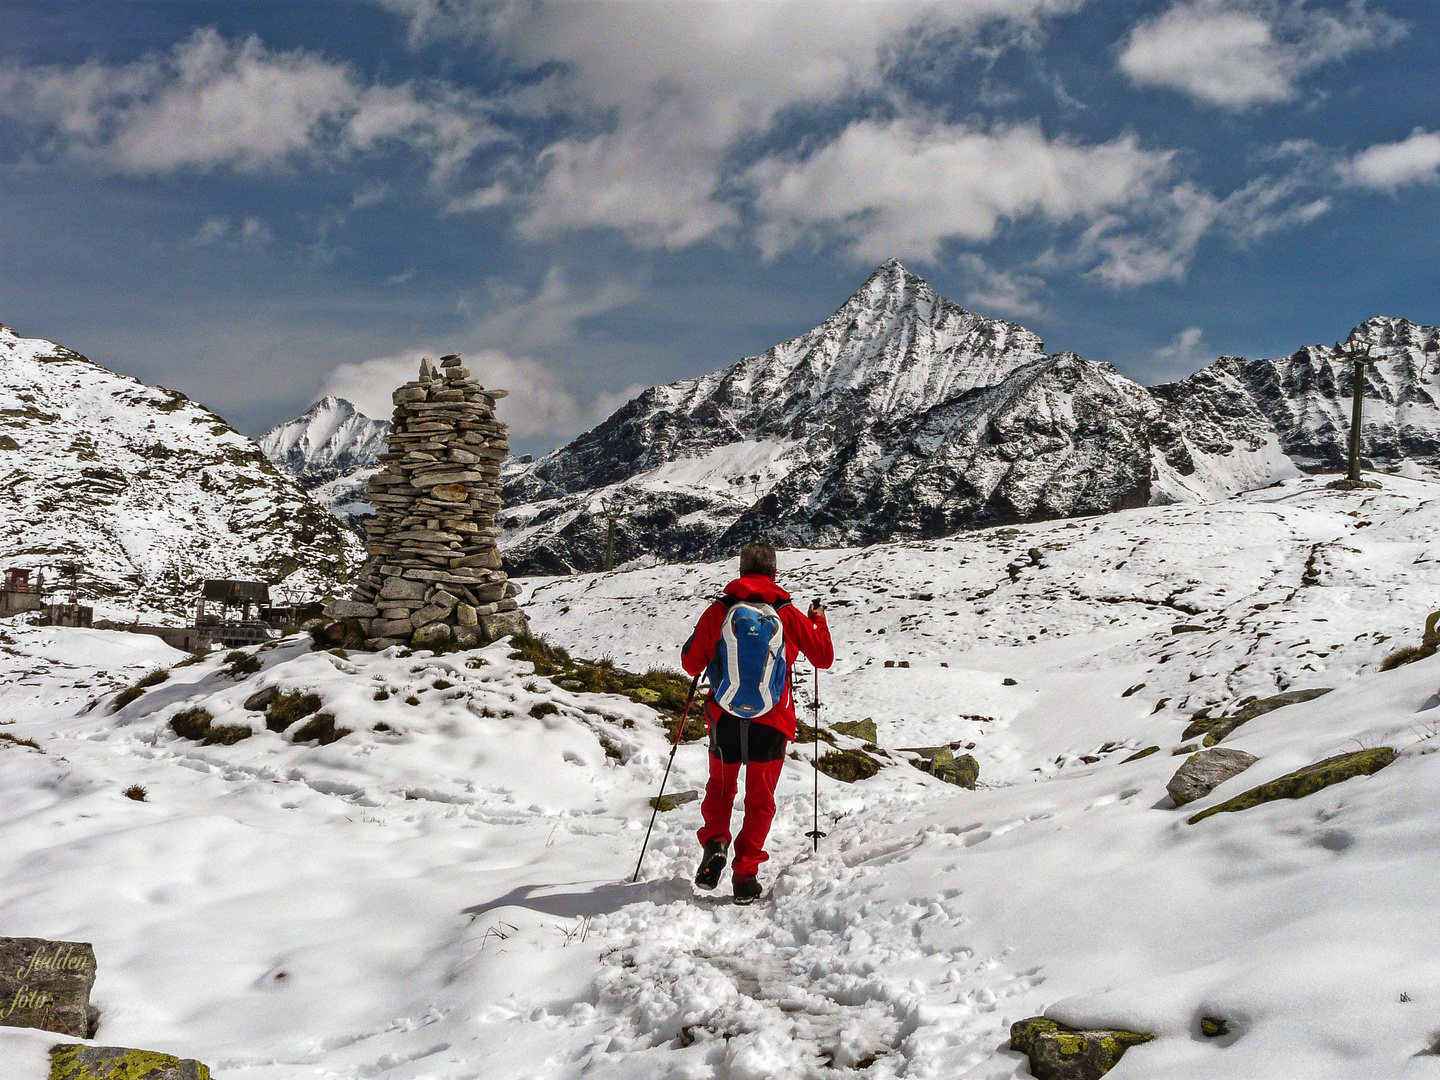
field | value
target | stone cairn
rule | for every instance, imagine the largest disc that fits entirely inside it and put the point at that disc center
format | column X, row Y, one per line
column 432, row 576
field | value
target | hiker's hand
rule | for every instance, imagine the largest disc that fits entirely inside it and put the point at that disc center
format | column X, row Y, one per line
column 816, row 608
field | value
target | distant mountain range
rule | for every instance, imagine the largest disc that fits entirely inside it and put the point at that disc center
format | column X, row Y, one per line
column 904, row 415
column 146, row 490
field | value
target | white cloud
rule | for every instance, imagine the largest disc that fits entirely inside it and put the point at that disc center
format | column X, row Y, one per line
column 498, row 345
column 212, row 103
column 1236, row 54
column 990, row 291
column 1390, row 166
column 212, row 230
column 370, row 195
column 902, row 187
column 550, row 315
column 252, row 234
column 607, row 402
column 662, row 94
column 255, row 234
column 1161, row 245
column 538, row 403
column 1183, row 348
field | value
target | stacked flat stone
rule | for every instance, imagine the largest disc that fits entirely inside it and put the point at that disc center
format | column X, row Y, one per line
column 433, row 573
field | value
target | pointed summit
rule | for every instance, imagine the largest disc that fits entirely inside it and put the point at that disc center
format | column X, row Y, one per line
column 328, row 440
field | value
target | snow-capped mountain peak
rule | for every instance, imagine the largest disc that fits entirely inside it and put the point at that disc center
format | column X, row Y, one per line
column 330, row 439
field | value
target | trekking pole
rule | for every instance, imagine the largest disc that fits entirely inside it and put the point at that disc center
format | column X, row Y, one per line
column 815, row 834
column 679, row 731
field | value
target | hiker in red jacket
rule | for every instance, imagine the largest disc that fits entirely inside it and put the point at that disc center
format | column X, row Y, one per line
column 741, row 639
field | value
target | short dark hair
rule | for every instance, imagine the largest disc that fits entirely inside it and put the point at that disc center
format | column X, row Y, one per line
column 757, row 557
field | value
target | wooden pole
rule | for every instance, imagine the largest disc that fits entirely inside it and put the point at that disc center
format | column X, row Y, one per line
column 1357, row 409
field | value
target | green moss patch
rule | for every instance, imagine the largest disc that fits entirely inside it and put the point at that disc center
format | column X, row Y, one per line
column 154, row 678
column 663, row 690
column 1426, row 649
column 1306, row 781
column 241, row 664
column 289, row 707
column 544, row 708
column 196, row 724
column 320, row 728
column 191, row 724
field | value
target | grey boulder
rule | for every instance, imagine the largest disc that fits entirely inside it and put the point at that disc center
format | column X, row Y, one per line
column 1202, row 773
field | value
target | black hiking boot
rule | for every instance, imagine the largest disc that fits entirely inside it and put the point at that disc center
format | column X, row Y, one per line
column 712, row 862
column 747, row 889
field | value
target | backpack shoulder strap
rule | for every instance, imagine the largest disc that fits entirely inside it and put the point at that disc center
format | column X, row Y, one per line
column 729, row 602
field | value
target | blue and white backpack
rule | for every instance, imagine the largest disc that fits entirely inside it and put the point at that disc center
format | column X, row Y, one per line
column 747, row 675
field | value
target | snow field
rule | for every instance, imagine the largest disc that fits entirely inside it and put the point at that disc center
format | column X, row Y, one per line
column 450, row 898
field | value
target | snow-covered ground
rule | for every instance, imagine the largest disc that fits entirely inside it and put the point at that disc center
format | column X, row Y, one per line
column 450, row 898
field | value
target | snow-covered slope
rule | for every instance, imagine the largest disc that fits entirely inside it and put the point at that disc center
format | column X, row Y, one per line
column 463, row 907
column 149, row 492
column 332, row 449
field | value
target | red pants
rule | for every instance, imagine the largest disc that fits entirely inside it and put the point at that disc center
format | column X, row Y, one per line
column 760, row 780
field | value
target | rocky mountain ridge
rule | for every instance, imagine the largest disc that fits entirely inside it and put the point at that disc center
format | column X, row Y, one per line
column 904, row 415
column 147, row 491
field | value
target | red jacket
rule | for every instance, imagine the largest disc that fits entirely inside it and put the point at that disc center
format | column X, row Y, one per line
column 802, row 634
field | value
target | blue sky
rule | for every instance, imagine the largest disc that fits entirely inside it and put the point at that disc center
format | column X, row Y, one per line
column 257, row 202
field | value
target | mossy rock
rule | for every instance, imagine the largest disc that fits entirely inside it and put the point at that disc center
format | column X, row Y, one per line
column 76, row 1062
column 857, row 729
column 1306, row 781
column 1215, row 728
column 674, row 802
column 1141, row 754
column 1059, row 1052
column 961, row 771
column 848, row 765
